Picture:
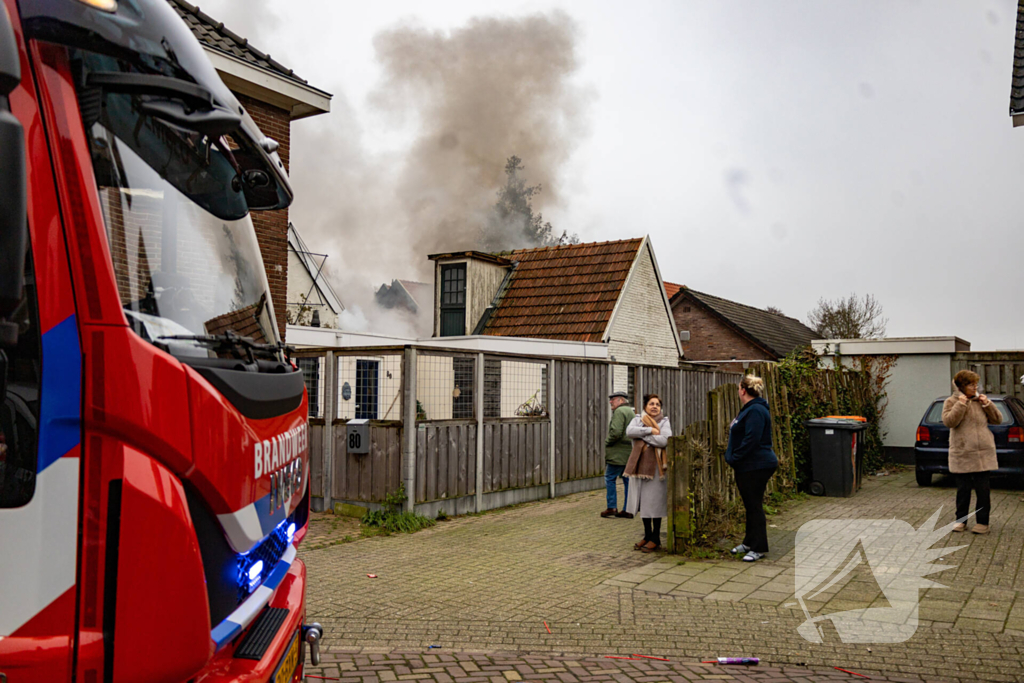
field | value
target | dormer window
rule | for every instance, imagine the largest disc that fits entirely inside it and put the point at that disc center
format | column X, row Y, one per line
column 453, row 300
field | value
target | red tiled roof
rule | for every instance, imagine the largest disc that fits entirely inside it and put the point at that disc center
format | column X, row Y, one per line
column 671, row 288
column 566, row 292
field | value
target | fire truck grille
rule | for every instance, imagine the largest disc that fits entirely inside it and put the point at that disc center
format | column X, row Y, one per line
column 261, row 634
column 268, row 552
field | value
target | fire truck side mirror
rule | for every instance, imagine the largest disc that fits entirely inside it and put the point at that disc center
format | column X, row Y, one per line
column 13, row 227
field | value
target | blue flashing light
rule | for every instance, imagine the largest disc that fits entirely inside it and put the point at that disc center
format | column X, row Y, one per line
column 255, row 570
column 291, row 532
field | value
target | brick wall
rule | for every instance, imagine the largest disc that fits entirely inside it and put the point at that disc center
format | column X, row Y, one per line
column 272, row 226
column 710, row 338
column 642, row 331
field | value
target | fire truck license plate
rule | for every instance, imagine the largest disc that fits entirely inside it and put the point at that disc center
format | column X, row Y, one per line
column 290, row 661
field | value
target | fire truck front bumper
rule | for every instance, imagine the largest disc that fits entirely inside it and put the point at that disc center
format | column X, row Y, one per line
column 273, row 646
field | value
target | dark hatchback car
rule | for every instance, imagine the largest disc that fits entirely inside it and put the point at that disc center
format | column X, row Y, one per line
column 931, row 450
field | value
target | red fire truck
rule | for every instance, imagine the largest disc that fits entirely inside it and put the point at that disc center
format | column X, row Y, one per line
column 153, row 432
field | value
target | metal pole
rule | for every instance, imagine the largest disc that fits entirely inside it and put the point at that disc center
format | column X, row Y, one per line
column 551, row 428
column 330, row 412
column 409, row 433
column 479, row 409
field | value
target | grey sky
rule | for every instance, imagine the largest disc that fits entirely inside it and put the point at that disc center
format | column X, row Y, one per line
column 776, row 151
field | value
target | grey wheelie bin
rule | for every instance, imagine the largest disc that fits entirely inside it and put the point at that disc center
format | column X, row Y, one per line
column 837, row 455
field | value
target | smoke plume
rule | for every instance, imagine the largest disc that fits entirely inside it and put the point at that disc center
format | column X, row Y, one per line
column 478, row 94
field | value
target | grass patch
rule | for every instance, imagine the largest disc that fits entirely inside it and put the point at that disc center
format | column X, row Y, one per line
column 777, row 501
column 392, row 520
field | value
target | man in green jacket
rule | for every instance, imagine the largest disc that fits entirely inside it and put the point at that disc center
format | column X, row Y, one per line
column 616, row 452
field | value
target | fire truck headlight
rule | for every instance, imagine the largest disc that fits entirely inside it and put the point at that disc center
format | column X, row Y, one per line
column 105, row 5
column 291, row 532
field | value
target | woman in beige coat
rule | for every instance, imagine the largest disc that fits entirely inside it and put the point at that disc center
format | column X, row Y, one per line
column 972, row 447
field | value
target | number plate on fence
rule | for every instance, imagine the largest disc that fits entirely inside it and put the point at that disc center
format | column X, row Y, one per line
column 357, row 437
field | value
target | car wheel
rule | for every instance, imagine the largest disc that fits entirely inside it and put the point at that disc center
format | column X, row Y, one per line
column 923, row 478
column 817, row 488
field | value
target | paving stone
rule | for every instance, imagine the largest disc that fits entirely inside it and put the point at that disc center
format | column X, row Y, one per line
column 975, row 624
column 698, row 587
column 656, row 586
column 482, row 587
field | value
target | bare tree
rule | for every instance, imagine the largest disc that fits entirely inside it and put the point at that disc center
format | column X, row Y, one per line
column 774, row 310
column 848, row 318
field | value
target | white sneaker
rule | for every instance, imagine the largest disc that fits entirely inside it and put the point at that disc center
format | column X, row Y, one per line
column 739, row 549
column 753, row 556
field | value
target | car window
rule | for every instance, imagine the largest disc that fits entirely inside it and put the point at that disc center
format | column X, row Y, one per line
column 1004, row 410
column 934, row 415
column 1017, row 408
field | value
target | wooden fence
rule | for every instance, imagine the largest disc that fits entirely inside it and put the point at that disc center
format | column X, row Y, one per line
column 684, row 391
column 1000, row 372
column 701, row 485
column 469, row 462
column 581, row 409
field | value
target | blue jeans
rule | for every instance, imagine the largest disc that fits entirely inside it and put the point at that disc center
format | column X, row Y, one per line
column 611, row 473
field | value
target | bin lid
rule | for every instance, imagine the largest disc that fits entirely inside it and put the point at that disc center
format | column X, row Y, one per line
column 836, row 423
column 857, row 418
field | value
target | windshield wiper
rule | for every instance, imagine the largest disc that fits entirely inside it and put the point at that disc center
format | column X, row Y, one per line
column 230, row 342
column 182, row 103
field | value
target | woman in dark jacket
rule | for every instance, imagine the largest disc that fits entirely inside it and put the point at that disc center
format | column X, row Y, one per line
column 750, row 454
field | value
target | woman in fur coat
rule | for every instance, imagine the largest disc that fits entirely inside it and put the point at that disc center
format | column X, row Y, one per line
column 972, row 447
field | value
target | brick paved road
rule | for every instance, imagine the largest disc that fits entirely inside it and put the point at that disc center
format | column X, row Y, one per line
column 486, row 584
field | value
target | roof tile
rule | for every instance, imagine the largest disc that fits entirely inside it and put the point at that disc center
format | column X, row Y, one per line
column 212, row 33
column 565, row 292
column 777, row 333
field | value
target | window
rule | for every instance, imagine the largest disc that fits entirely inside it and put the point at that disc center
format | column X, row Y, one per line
column 367, row 378
column 312, row 375
column 492, row 388
column 453, row 300
column 462, row 396
column 544, row 386
column 19, row 410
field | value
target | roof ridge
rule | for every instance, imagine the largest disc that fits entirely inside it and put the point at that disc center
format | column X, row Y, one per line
column 747, row 306
column 570, row 246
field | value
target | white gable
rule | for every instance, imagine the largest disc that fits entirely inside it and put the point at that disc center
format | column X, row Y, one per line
column 642, row 330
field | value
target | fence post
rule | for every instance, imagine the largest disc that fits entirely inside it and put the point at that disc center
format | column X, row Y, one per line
column 330, row 412
column 551, row 428
column 671, row 483
column 479, row 409
column 409, row 429
column 679, row 485
column 638, row 388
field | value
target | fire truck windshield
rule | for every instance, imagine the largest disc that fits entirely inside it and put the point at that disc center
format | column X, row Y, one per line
column 183, row 245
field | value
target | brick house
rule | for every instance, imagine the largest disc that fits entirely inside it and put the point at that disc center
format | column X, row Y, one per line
column 602, row 292
column 717, row 330
column 274, row 96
